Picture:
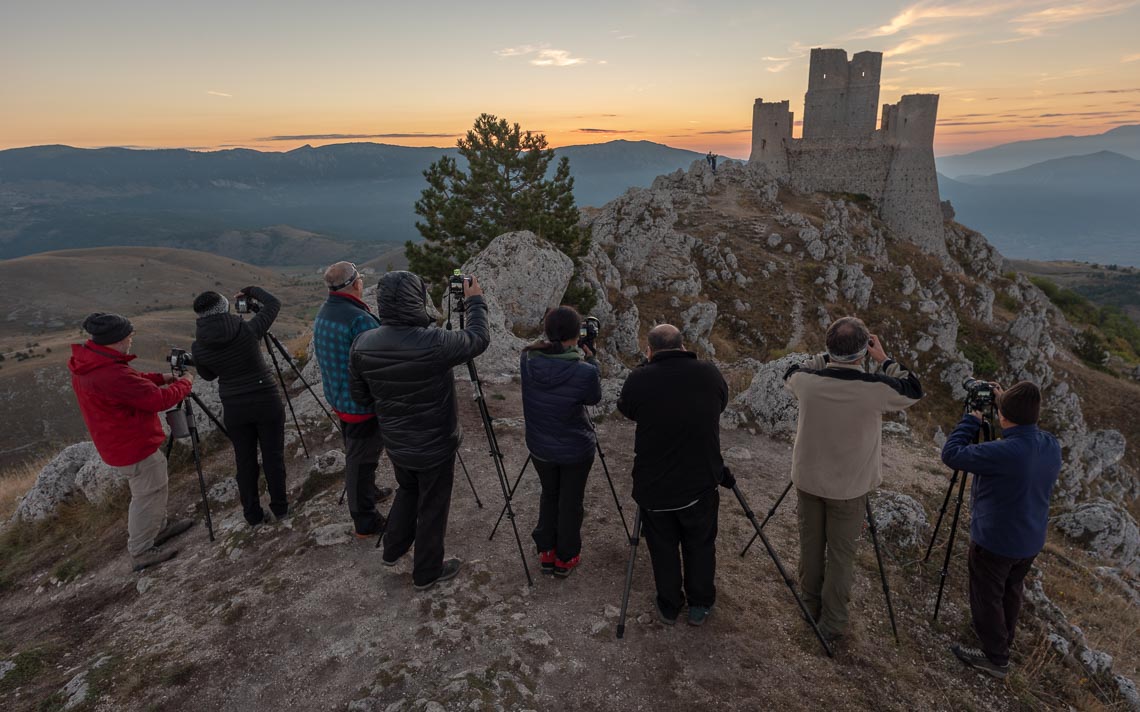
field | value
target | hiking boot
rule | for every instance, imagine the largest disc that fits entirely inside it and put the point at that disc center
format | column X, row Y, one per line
column 665, row 620
column 831, row 638
column 152, row 557
column 563, row 569
column 171, row 530
column 449, row 571
column 378, row 530
column 699, row 614
column 383, row 493
column 977, row 659
column 546, row 561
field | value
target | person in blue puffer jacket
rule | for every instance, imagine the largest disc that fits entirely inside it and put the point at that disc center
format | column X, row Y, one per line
column 558, row 382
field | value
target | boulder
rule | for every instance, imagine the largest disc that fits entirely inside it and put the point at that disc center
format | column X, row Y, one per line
column 328, row 463
column 1105, row 530
column 98, row 481
column 767, row 402
column 55, row 482
column 526, row 274
column 901, row 520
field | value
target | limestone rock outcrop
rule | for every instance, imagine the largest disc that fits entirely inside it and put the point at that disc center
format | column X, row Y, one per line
column 766, row 402
column 56, row 482
column 1106, row 530
column 900, row 518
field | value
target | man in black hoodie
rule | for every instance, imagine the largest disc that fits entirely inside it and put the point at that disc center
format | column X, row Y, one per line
column 677, row 401
column 228, row 348
column 403, row 369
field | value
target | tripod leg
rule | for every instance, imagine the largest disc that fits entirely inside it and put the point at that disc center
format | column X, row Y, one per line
column 510, row 496
column 941, row 513
column 293, row 364
column 629, row 572
column 949, row 546
column 213, row 418
column 780, row 567
column 288, row 400
column 882, row 571
column 468, row 476
column 169, row 445
column 764, row 523
column 613, row 490
column 198, row 467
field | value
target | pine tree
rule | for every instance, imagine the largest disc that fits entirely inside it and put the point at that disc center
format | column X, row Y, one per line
column 503, row 189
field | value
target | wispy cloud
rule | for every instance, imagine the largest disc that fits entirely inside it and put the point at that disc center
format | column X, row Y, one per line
column 720, row 132
column 607, row 131
column 211, row 92
column 543, row 55
column 620, row 35
column 924, row 13
column 918, row 42
column 775, row 68
column 339, row 137
column 1130, row 58
column 1041, row 22
column 930, row 65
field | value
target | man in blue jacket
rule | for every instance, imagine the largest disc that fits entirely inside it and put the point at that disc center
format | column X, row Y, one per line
column 1013, row 483
column 342, row 318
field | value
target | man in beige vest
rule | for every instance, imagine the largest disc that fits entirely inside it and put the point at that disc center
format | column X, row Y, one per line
column 837, row 461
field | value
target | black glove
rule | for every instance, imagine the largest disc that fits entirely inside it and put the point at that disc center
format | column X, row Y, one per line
column 727, row 480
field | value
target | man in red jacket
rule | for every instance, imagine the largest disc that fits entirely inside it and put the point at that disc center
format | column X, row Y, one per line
column 120, row 406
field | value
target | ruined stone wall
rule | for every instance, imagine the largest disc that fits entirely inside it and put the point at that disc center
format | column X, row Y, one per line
column 840, row 166
column 842, row 97
column 771, row 135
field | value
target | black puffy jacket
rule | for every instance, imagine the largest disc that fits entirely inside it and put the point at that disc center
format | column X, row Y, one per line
column 229, row 348
column 403, row 370
column 556, row 387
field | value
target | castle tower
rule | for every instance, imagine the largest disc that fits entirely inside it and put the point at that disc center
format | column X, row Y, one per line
column 910, row 201
column 842, row 97
column 771, row 135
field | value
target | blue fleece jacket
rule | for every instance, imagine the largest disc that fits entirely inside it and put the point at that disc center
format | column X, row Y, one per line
column 1013, row 483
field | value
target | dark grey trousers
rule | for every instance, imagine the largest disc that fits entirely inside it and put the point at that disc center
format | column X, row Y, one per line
column 362, row 446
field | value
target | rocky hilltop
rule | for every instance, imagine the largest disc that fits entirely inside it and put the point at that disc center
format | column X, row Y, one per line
column 298, row 616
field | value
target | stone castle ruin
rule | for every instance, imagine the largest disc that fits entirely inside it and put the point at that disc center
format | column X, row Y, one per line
column 841, row 150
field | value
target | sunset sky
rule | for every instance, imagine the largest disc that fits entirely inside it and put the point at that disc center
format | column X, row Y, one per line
column 277, row 75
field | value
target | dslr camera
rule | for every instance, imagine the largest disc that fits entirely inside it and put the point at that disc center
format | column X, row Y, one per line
column 246, row 304
column 455, row 287
column 979, row 394
column 588, row 334
column 179, row 360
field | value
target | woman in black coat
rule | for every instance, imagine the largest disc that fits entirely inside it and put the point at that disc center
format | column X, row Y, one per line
column 557, row 385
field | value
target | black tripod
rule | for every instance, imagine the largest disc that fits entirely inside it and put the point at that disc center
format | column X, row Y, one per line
column 605, row 468
column 271, row 342
column 191, row 431
column 488, row 428
column 985, row 434
column 872, row 525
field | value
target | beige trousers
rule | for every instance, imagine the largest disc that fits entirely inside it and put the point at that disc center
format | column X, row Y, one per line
column 829, row 530
column 147, row 514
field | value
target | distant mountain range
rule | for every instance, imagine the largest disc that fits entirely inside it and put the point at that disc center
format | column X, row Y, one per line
column 54, row 197
column 1124, row 140
column 1062, row 198
column 1079, row 207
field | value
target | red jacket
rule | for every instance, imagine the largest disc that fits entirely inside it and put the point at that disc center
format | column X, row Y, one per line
column 119, row 404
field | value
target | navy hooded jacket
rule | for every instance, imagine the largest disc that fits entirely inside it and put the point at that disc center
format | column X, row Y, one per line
column 1013, row 483
column 556, row 387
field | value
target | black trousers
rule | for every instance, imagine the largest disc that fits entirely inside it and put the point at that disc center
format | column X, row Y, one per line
column 560, row 509
column 996, row 587
column 419, row 516
column 693, row 530
column 362, row 446
column 252, row 422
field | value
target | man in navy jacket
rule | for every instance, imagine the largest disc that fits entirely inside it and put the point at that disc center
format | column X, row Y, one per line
column 1013, row 484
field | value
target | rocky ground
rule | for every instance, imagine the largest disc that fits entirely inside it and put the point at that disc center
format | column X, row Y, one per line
column 299, row 615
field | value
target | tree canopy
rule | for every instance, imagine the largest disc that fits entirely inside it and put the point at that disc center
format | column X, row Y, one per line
column 503, row 188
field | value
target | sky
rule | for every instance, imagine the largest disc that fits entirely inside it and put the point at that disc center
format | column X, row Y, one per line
column 277, row 75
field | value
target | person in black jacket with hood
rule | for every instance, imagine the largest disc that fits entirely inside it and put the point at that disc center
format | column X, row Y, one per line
column 403, row 369
column 677, row 401
column 557, row 385
column 228, row 348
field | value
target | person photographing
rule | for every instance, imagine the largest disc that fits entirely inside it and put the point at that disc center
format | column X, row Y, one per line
column 228, row 348
column 1009, row 513
column 558, row 381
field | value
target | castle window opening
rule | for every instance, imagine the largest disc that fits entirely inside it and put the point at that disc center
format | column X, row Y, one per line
column 825, row 75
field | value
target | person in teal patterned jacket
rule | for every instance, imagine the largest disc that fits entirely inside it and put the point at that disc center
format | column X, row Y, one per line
column 342, row 317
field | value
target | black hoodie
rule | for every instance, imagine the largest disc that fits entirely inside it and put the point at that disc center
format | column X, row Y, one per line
column 403, row 370
column 229, row 348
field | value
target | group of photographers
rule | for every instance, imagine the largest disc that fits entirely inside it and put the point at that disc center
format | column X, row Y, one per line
column 388, row 377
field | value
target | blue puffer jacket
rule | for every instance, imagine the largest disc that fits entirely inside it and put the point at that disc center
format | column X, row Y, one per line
column 556, row 387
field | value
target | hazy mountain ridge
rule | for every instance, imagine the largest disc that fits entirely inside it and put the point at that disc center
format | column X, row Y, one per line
column 1124, row 140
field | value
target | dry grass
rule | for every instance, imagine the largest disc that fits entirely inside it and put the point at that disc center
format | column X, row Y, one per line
column 16, row 480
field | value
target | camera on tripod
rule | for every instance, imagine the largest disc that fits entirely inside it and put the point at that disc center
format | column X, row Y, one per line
column 979, row 394
column 588, row 334
column 455, row 287
column 180, row 360
column 245, row 304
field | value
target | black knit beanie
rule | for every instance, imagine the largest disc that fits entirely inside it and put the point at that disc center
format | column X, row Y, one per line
column 208, row 303
column 107, row 328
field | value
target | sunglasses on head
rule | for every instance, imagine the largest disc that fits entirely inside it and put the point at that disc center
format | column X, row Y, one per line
column 355, row 276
